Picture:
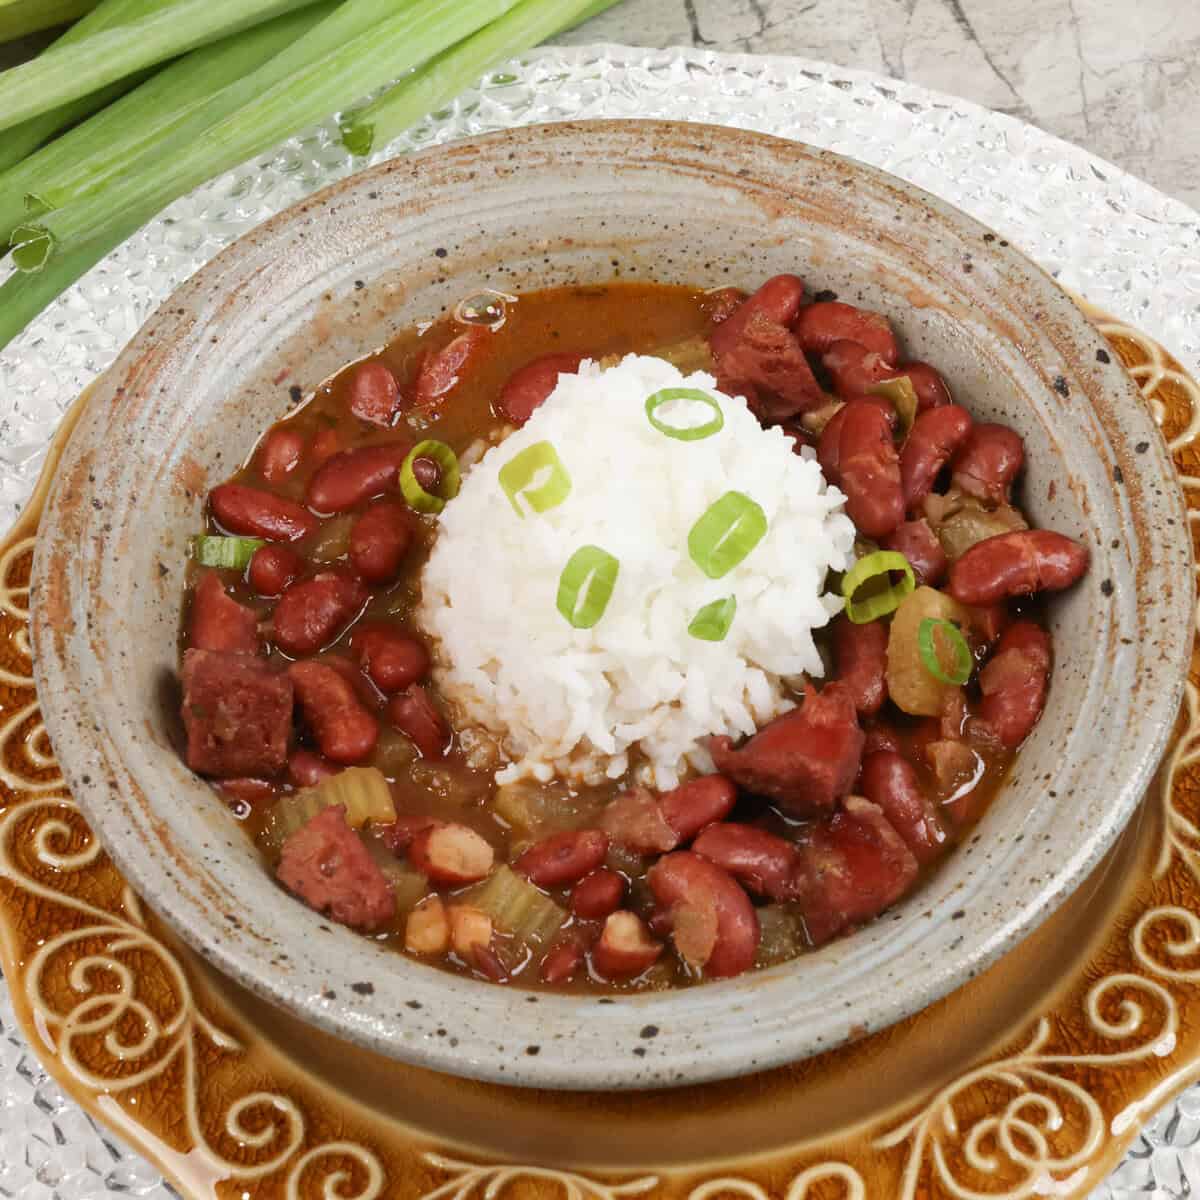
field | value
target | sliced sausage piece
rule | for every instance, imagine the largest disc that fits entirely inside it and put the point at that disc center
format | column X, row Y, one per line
column 374, row 394
column 695, row 805
column 919, row 544
column 719, row 305
column 854, row 865
column 441, row 371
column 1014, row 683
column 819, row 325
column 413, row 713
column 854, row 369
column 1017, row 564
column 344, row 730
column 352, row 476
column 760, row 861
column 380, row 539
column 768, row 367
column 635, row 820
column 869, row 469
column 399, row 834
column 272, row 568
column 988, row 462
column 528, row 386
column 427, row 928
column 251, row 512
column 804, row 760
column 625, row 947
column 860, row 662
column 326, row 864
column 390, row 659
column 693, row 890
column 451, row 854
column 563, row 858
column 237, row 711
column 597, row 894
column 312, row 613
column 890, row 781
column 218, row 622
column 933, row 440
column 279, row 454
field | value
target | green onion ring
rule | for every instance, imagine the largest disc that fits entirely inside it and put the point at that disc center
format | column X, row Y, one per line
column 233, row 553
column 726, row 533
column 447, row 487
column 712, row 622
column 688, row 433
column 517, row 476
column 963, row 659
column 879, row 604
column 586, row 586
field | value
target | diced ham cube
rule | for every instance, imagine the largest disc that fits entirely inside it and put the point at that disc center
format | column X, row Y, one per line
column 237, row 711
column 805, row 760
column 217, row 621
column 326, row 864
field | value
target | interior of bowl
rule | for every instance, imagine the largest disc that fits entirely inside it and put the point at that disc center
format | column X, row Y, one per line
column 334, row 278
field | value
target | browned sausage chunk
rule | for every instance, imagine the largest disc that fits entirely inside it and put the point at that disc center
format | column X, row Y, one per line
column 218, row 622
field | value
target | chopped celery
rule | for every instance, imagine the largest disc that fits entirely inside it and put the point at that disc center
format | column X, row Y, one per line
column 781, row 935
column 19, row 17
column 516, row 906
column 333, row 539
column 362, row 791
column 408, row 884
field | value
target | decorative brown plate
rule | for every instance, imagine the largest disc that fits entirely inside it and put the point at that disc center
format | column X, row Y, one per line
column 1031, row 1080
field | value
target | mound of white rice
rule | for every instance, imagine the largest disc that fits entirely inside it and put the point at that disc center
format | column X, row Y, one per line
column 579, row 702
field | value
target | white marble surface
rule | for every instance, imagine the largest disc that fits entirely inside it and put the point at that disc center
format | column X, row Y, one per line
column 1119, row 77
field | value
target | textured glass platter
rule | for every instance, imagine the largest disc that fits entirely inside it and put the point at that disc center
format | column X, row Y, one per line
column 1102, row 233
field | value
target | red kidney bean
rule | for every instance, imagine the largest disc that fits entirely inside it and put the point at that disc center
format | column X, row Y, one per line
column 306, row 769
column 778, row 300
column 860, row 662
column 450, row 853
column 324, row 446
column 390, row 659
column 353, row 476
column 919, row 544
column 696, row 804
column 279, row 454
column 1016, row 564
column 563, row 961
column 374, row 394
column 684, row 880
column 625, row 947
column 426, row 472
column 854, row 369
column 312, row 613
column 819, row 325
column 249, row 791
column 721, row 304
column 933, row 440
column 413, row 713
column 757, row 859
column 272, row 568
column 344, row 730
column 1014, row 683
column 928, row 384
column 799, row 437
column 563, row 857
column 869, row 470
column 880, row 736
column 597, row 894
column 829, row 446
column 988, row 462
column 890, row 781
column 398, row 835
column 529, row 385
column 217, row 621
column 380, row 539
column 251, row 512
column 441, row 371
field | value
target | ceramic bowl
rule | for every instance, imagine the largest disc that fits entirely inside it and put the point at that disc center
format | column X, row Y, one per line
column 330, row 279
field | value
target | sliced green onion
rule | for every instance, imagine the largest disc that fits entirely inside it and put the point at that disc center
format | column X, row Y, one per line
column 963, row 661
column 586, row 586
column 712, row 622
column 727, row 532
column 878, row 602
column 536, row 465
column 900, row 394
column 685, row 433
column 447, row 486
column 231, row 552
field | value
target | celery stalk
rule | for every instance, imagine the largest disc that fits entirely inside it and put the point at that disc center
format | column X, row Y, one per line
column 19, row 17
column 64, row 73
column 23, row 139
column 146, row 121
column 440, row 80
column 321, row 69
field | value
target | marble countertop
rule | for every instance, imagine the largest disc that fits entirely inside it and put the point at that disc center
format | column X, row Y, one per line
column 1119, row 77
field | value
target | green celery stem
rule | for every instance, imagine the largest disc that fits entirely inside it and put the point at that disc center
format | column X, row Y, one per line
column 19, row 17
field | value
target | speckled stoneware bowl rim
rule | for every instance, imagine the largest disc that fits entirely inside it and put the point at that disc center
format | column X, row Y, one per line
column 132, row 789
